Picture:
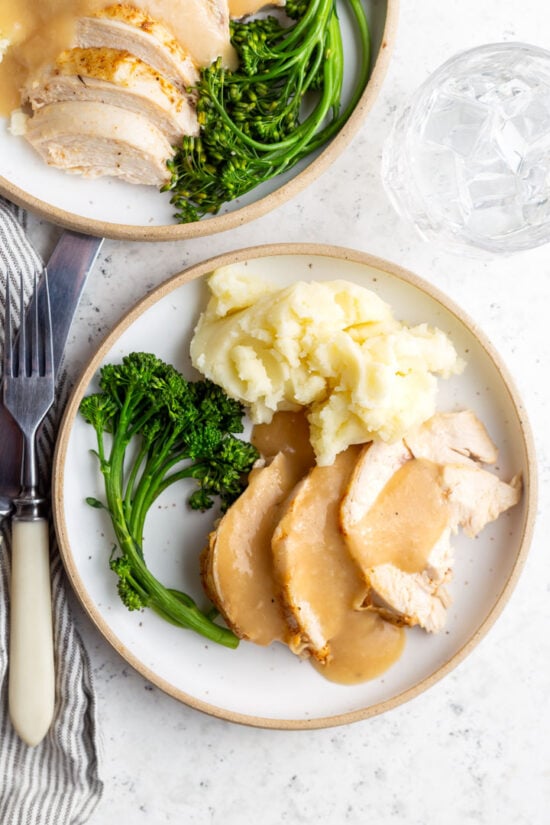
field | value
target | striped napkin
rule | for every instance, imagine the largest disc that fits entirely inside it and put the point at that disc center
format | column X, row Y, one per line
column 57, row 782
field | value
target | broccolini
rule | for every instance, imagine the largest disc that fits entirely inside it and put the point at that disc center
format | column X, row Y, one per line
column 153, row 429
column 282, row 103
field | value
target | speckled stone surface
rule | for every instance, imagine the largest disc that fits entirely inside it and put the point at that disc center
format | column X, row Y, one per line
column 475, row 748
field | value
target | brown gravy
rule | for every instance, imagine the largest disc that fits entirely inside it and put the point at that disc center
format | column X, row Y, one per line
column 405, row 521
column 365, row 647
column 288, row 433
column 37, row 32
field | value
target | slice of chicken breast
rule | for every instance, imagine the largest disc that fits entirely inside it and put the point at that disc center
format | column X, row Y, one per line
column 124, row 27
column 459, row 442
column 237, row 565
column 118, row 78
column 394, row 511
column 320, row 581
column 94, row 139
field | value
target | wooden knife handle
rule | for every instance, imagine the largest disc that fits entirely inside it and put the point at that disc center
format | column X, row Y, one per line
column 31, row 657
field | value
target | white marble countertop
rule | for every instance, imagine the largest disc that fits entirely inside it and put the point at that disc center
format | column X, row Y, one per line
column 475, row 747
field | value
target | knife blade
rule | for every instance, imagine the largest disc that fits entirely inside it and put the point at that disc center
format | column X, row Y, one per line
column 68, row 268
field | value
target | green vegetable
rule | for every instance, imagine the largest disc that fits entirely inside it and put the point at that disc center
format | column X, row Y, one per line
column 153, row 429
column 253, row 125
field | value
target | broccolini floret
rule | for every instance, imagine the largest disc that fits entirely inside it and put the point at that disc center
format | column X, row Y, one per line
column 176, row 429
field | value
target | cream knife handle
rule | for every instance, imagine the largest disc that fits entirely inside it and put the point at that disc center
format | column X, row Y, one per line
column 31, row 660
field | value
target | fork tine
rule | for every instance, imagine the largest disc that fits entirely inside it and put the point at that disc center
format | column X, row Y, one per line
column 22, row 342
column 8, row 347
column 48, row 331
column 34, row 345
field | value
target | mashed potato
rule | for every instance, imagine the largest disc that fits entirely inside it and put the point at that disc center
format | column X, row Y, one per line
column 333, row 347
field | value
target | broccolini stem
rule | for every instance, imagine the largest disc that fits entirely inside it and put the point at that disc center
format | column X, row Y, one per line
column 301, row 54
column 311, row 123
column 162, row 601
column 303, row 24
column 159, row 598
column 100, row 447
column 132, row 478
column 362, row 78
column 147, row 482
column 157, row 485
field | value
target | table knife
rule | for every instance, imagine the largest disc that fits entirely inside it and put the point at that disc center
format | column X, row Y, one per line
column 68, row 268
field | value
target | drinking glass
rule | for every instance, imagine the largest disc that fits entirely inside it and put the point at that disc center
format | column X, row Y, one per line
column 468, row 160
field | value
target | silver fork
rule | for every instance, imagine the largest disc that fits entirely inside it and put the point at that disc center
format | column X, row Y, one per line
column 28, row 391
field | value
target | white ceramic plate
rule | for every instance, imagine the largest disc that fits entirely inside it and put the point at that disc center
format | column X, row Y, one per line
column 109, row 208
column 269, row 686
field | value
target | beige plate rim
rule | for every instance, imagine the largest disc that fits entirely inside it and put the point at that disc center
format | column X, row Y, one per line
column 197, row 271
column 238, row 217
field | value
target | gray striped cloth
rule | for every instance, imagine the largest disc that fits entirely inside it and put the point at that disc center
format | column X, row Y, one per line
column 57, row 782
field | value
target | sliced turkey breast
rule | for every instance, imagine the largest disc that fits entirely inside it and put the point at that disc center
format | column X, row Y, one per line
column 118, row 78
column 376, row 464
column 237, row 565
column 413, row 598
column 402, row 519
column 94, row 139
column 452, row 438
column 477, row 497
column 320, row 581
column 399, row 511
column 127, row 28
column 405, row 598
column 459, row 443
column 396, row 525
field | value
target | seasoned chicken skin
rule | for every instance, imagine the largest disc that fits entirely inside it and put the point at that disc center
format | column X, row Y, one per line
column 125, row 28
column 118, row 78
column 200, row 26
